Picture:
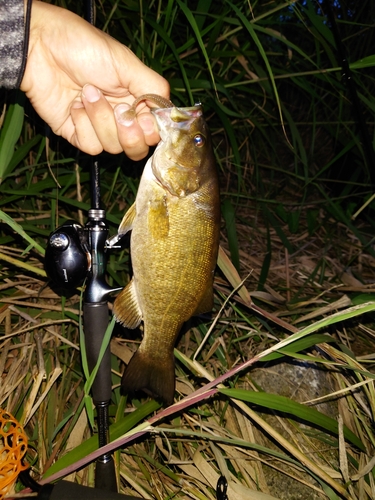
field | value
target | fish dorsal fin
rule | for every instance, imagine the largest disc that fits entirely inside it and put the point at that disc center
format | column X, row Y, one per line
column 126, row 307
column 207, row 301
column 127, row 221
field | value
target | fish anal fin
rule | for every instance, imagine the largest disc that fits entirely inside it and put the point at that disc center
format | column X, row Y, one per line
column 126, row 307
column 127, row 221
column 207, row 301
column 154, row 376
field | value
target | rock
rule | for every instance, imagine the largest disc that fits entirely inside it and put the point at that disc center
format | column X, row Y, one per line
column 300, row 381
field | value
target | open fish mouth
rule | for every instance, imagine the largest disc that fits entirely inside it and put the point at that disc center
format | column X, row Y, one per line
column 176, row 118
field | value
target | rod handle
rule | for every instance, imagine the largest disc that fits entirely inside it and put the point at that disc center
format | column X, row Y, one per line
column 95, row 323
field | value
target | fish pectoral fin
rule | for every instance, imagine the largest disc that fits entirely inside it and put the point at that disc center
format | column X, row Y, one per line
column 151, row 375
column 207, row 301
column 126, row 307
column 127, row 221
column 158, row 218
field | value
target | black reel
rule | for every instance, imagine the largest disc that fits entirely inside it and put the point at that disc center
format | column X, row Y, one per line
column 67, row 258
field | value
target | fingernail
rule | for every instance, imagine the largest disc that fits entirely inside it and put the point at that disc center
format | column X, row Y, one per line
column 91, row 93
column 147, row 125
column 123, row 116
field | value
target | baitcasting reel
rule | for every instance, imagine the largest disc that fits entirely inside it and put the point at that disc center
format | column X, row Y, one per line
column 75, row 252
column 68, row 257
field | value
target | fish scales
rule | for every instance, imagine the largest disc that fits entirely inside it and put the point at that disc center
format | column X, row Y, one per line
column 168, row 293
column 174, row 243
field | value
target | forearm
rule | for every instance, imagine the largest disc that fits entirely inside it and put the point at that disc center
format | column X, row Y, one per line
column 12, row 42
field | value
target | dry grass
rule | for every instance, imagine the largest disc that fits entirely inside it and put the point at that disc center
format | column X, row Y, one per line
column 42, row 384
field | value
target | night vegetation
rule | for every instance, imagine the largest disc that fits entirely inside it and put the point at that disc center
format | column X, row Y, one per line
column 295, row 154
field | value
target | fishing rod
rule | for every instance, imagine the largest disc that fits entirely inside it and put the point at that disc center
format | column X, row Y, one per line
column 74, row 254
column 95, row 316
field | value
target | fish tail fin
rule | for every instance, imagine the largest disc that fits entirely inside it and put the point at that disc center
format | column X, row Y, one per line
column 154, row 376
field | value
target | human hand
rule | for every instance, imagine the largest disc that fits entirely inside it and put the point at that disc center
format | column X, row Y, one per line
column 68, row 62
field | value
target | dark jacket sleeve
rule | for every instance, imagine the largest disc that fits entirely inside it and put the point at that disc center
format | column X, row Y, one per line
column 12, row 34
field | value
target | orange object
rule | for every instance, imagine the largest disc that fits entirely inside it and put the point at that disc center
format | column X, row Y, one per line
column 13, row 447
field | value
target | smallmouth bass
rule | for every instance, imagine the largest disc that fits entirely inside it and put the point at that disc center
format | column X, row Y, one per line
column 175, row 222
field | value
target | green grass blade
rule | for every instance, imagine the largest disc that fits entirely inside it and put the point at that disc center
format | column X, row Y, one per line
column 229, row 130
column 366, row 62
column 262, row 52
column 290, row 407
column 21, row 153
column 300, row 345
column 185, row 9
column 166, row 38
column 279, row 230
column 10, row 133
column 22, row 265
column 19, row 229
column 349, row 313
column 266, row 264
column 229, row 215
column 230, row 272
column 103, row 347
column 115, row 431
column 203, row 8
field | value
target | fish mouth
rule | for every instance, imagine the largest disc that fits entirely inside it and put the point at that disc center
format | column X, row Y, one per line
column 179, row 118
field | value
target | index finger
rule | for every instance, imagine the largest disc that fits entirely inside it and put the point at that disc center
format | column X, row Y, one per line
column 136, row 135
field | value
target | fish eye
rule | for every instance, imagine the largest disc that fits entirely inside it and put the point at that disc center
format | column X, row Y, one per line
column 199, row 140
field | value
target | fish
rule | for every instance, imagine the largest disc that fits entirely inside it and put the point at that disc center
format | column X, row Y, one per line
column 175, row 226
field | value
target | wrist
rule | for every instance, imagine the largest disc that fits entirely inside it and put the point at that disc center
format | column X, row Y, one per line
column 43, row 26
column 37, row 21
